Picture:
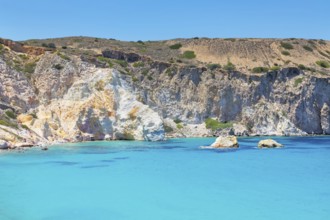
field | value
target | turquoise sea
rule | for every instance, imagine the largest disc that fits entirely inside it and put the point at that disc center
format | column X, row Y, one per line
column 171, row 180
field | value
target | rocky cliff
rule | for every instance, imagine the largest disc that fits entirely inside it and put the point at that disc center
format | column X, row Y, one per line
column 77, row 89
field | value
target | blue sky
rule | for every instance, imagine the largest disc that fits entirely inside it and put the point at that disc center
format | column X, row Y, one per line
column 157, row 20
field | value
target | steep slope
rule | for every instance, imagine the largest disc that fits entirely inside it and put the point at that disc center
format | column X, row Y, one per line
column 74, row 89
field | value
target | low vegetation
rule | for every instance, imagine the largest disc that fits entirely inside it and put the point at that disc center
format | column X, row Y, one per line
column 105, row 60
column 8, row 123
column 260, row 69
column 122, row 63
column 58, row 66
column 308, row 48
column 230, row 39
column 10, row 114
column 213, row 66
column 322, row 42
column 168, row 129
column 175, row 46
column 298, row 81
column 64, row 57
column 177, row 121
column 189, row 54
column 29, row 67
column 138, row 64
column 179, row 126
column 229, row 66
column 286, row 45
column 99, row 85
column 216, row 125
column 275, row 68
column 323, row 63
column 49, row 45
column 285, row 53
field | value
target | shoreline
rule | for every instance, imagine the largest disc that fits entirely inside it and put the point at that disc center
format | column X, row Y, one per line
column 45, row 147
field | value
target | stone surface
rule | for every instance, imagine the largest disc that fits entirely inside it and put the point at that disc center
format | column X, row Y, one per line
column 4, row 144
column 225, row 142
column 76, row 98
column 269, row 143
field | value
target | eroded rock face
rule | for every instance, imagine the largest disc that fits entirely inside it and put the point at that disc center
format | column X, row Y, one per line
column 269, row 143
column 225, row 142
column 76, row 99
column 98, row 106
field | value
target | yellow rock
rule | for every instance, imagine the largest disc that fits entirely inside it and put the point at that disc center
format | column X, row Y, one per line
column 23, row 118
column 225, row 142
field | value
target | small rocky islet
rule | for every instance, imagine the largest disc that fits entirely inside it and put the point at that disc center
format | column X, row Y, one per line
column 81, row 89
column 231, row 142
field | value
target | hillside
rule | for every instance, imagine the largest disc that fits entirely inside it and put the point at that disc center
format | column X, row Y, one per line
column 82, row 88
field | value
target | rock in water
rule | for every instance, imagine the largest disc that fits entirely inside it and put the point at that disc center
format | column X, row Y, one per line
column 225, row 142
column 269, row 143
column 4, row 144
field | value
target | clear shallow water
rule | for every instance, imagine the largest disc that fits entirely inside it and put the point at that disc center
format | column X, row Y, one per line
column 168, row 180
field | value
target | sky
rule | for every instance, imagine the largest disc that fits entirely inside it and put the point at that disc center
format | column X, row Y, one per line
column 161, row 20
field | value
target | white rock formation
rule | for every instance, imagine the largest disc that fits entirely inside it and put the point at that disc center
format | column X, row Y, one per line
column 269, row 143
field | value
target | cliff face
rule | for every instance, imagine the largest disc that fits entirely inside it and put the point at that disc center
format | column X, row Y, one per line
column 60, row 96
column 284, row 102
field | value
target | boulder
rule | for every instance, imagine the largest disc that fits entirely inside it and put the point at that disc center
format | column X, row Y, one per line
column 24, row 118
column 225, row 142
column 4, row 144
column 269, row 143
column 23, row 144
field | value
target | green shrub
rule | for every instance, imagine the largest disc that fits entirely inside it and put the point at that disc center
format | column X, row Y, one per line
column 324, row 54
column 29, row 67
column 64, row 57
column 215, row 125
column 308, row 48
column 312, row 42
column 49, row 45
column 177, row 121
column 179, row 126
column 23, row 56
column 150, row 77
column 122, row 63
column 34, row 115
column 10, row 114
column 213, row 66
column 323, row 42
column 8, row 123
column 134, row 79
column 285, row 53
column 138, row 64
column 145, row 72
column 302, row 67
column 105, row 60
column 286, row 45
column 58, row 66
column 298, row 81
column 168, row 129
column 275, row 68
column 99, row 85
column 189, row 54
column 323, row 63
column 230, row 39
column 25, row 127
column 140, row 42
column 260, row 69
column 328, row 52
column 175, row 46
column 229, row 66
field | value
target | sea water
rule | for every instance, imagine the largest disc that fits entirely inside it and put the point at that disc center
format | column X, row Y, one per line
column 168, row 180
